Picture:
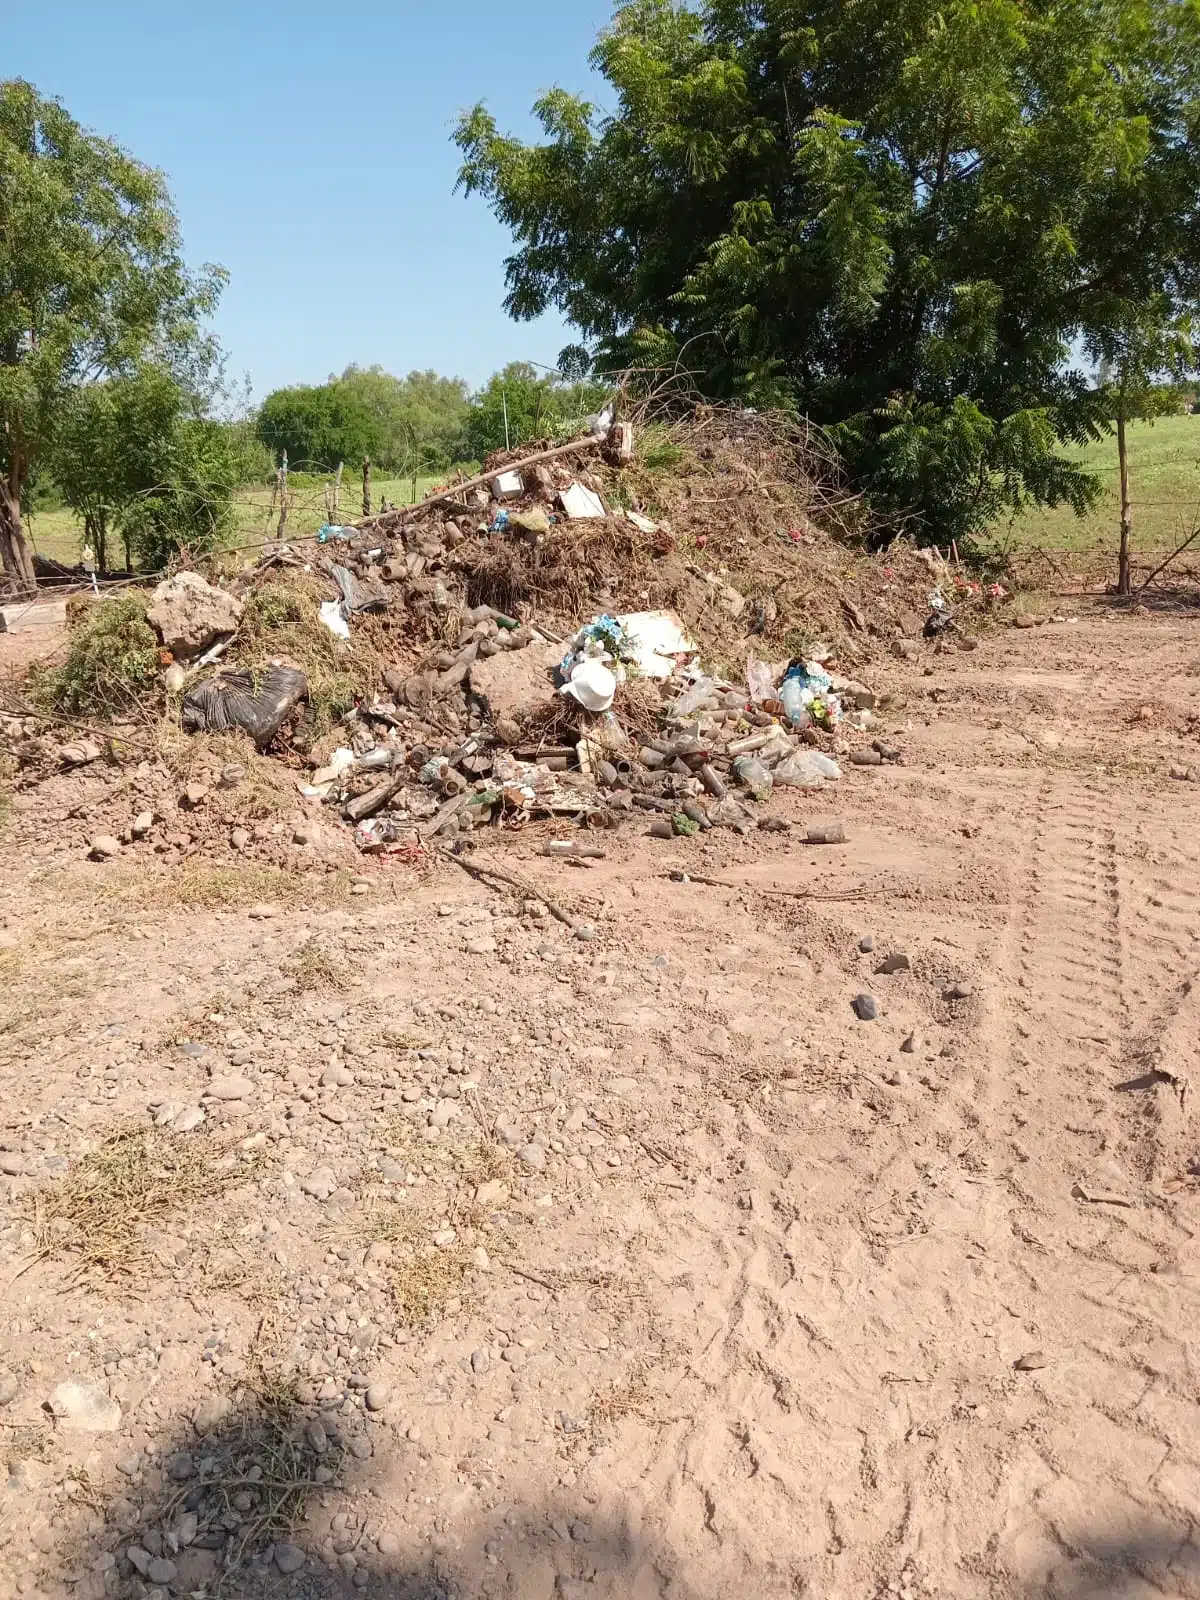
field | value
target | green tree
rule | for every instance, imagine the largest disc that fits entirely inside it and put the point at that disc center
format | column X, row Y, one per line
column 896, row 218
column 1144, row 351
column 135, row 455
column 320, row 425
column 519, row 403
column 91, row 279
column 421, row 416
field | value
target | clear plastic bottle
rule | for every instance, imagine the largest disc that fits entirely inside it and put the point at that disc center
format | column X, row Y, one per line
column 795, row 708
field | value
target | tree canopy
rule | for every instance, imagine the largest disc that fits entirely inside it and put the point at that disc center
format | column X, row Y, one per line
column 412, row 424
column 92, row 279
column 519, row 403
column 898, row 218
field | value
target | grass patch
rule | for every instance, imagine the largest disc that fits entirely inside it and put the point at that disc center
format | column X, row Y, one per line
column 207, row 888
column 135, row 1179
column 1164, row 472
column 282, row 621
column 315, row 969
column 111, row 666
column 260, row 1473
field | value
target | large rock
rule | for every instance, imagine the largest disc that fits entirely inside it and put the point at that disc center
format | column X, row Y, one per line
column 190, row 616
column 516, row 683
column 85, row 1407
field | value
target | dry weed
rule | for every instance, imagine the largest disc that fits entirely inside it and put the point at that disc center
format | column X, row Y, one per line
column 314, row 968
column 136, row 1178
column 204, row 888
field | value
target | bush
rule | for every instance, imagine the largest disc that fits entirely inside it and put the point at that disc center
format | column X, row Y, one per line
column 112, row 659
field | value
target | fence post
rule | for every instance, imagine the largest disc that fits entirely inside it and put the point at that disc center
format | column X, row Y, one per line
column 366, row 486
column 337, row 492
column 283, row 496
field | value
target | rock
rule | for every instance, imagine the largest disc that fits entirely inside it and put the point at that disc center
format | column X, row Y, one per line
column 959, row 991
column 181, row 1467
column 10, row 1388
column 320, row 1183
column 894, row 963
column 210, row 1412
column 80, row 754
column 906, row 650
column 388, row 1544
column 360, row 1448
column 866, row 1007
column 289, row 1558
column 866, row 758
column 161, row 1571
column 318, row 1440
column 194, row 796
column 481, row 947
column 188, row 1120
column 337, row 1077
column 190, row 615
column 1024, row 620
column 11, row 1164
column 480, row 1259
column 533, row 1156
column 142, row 824
column 85, row 1408
column 516, row 683
column 139, row 1559
column 480, row 1362
column 239, row 838
column 104, row 847
column 232, row 775
column 866, row 944
column 492, row 1193
column 305, row 833
column 1032, row 1361
column 336, row 1114
column 230, row 1089
column 378, row 1395
column 129, row 1464
column 909, row 1046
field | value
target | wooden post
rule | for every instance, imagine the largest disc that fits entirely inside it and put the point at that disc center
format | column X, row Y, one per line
column 337, row 492
column 283, row 497
column 366, row 486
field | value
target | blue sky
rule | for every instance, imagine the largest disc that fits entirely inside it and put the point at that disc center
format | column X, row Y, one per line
column 308, row 151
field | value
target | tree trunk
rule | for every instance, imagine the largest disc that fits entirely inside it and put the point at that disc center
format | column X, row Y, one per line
column 1124, row 575
column 16, row 552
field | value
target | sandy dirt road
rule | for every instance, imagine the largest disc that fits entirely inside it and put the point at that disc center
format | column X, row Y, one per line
column 773, row 1302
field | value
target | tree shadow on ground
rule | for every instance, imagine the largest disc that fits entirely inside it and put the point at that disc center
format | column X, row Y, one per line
column 270, row 1499
column 1178, row 600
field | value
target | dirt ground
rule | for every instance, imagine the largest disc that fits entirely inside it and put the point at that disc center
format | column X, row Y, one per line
column 508, row 1264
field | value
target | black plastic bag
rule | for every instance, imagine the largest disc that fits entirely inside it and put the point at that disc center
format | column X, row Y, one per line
column 235, row 700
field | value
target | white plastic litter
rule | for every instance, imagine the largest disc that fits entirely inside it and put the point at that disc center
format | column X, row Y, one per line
column 331, row 616
column 658, row 640
column 580, row 503
column 592, row 684
column 807, row 769
column 642, row 524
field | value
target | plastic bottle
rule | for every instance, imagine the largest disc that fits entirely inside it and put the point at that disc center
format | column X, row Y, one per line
column 754, row 776
column 794, row 705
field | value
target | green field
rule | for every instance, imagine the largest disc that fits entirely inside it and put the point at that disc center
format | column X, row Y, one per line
column 1164, row 483
column 56, row 534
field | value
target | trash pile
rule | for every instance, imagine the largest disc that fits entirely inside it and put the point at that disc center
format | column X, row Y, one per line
column 428, row 669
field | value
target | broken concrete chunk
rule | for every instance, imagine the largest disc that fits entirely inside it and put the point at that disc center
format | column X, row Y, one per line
column 516, row 683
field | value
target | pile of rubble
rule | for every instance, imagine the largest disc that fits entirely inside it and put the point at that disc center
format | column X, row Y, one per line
column 479, row 699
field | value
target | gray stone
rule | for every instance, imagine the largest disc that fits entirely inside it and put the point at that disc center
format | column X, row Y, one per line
column 188, row 1119
column 481, row 1362
column 181, row 1466
column 334, row 1113
column 959, row 991
column 910, row 1045
column 142, row 824
column 320, row 1183
column 533, row 1156
column 161, row 1571
column 230, row 1089
column 866, row 1007
column 139, row 1559
column 360, row 1448
column 85, row 1408
column 105, row 847
column 898, row 962
column 317, row 1438
column 210, row 1412
column 130, row 1463
column 289, row 1558
column 867, row 943
column 337, row 1077
column 388, row 1544
column 481, row 947
column 10, row 1388
column 378, row 1395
